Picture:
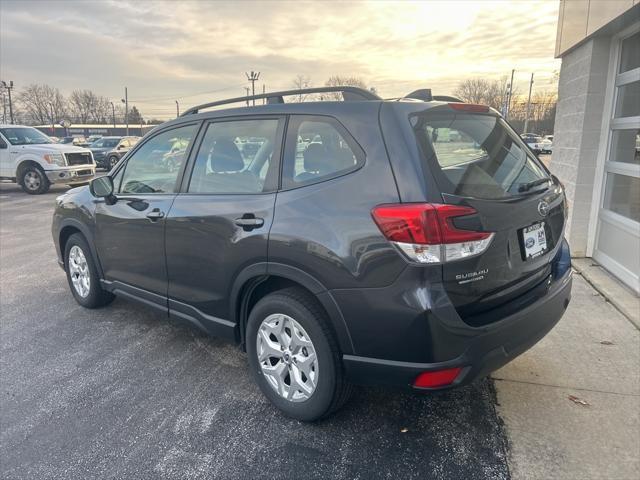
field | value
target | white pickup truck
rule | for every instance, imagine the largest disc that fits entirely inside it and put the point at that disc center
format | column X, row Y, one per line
column 31, row 159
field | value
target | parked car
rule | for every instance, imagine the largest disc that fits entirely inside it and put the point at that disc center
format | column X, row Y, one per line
column 113, row 156
column 534, row 141
column 31, row 159
column 380, row 254
column 107, row 151
column 78, row 141
column 93, row 138
column 547, row 144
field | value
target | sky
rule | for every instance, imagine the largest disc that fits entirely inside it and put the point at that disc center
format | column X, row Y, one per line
column 199, row 51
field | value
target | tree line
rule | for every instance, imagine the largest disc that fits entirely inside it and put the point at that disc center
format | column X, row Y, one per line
column 542, row 109
column 40, row 104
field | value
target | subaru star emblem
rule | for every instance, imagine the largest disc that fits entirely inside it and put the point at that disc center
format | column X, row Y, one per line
column 543, row 208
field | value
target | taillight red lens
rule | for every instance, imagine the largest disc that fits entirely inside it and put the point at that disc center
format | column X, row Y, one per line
column 469, row 107
column 438, row 378
column 424, row 223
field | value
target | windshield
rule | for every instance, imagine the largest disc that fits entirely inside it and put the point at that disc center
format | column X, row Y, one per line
column 477, row 155
column 105, row 143
column 24, row 136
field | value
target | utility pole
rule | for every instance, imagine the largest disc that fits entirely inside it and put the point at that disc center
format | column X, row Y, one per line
column 526, row 118
column 125, row 100
column 253, row 77
column 9, row 87
column 247, row 89
column 177, row 109
column 113, row 114
column 510, row 95
column 4, row 108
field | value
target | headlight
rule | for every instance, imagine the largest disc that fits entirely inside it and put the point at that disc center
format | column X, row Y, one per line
column 55, row 158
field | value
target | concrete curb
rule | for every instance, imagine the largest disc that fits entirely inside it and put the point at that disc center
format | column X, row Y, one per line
column 618, row 295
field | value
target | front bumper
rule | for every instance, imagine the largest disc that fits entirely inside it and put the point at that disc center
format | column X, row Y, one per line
column 73, row 175
column 438, row 339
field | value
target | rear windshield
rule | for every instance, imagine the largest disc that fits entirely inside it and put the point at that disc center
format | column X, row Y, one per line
column 477, row 156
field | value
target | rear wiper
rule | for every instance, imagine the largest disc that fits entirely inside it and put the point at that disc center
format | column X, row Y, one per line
column 525, row 187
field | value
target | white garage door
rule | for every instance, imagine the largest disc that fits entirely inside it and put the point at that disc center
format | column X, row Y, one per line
column 617, row 243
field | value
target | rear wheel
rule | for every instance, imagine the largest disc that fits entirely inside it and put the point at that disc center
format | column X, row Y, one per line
column 82, row 274
column 294, row 357
column 34, row 181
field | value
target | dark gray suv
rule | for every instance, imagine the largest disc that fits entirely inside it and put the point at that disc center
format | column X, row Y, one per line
column 412, row 242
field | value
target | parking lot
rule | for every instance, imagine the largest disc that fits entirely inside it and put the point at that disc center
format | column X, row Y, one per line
column 124, row 392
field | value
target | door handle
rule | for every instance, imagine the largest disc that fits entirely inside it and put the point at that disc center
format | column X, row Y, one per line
column 249, row 223
column 155, row 214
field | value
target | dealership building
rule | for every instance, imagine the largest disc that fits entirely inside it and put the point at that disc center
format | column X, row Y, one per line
column 597, row 131
column 95, row 129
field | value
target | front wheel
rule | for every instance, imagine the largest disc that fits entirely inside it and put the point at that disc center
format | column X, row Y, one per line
column 82, row 274
column 113, row 161
column 294, row 357
column 34, row 181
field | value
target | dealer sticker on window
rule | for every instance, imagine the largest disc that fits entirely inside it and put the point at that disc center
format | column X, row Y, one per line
column 534, row 241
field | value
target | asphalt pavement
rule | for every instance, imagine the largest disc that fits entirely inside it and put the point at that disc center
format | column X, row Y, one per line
column 123, row 392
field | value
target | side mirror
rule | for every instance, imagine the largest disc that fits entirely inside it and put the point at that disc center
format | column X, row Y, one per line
column 102, row 187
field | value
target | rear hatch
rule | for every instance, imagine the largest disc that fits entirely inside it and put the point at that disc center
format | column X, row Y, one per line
column 478, row 161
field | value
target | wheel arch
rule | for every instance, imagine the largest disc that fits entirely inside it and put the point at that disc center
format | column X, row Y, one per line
column 23, row 164
column 68, row 227
column 256, row 281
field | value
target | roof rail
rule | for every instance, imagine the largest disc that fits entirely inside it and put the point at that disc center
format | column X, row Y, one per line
column 350, row 94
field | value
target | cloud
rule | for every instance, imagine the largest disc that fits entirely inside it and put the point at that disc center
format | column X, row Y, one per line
column 168, row 50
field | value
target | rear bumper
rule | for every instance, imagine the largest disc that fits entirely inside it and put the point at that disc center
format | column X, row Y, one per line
column 489, row 351
column 72, row 176
column 447, row 342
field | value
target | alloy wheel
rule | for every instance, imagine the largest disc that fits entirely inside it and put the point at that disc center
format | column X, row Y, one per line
column 287, row 357
column 79, row 271
column 32, row 180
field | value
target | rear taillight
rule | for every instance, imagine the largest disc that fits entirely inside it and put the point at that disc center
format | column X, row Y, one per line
column 425, row 232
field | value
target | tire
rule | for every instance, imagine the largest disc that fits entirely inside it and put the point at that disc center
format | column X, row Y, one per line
column 113, row 161
column 331, row 390
column 77, row 259
column 34, row 181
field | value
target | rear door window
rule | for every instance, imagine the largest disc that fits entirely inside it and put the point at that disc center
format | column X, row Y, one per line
column 477, row 156
column 318, row 148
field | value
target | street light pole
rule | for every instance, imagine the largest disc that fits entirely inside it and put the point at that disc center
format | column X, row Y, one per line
column 526, row 118
column 9, row 87
column 253, row 77
column 247, row 90
column 113, row 115
column 177, row 109
column 125, row 100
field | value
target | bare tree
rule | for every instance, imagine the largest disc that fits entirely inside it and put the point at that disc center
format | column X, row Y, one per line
column 42, row 104
column 487, row 92
column 339, row 81
column 299, row 83
column 88, row 107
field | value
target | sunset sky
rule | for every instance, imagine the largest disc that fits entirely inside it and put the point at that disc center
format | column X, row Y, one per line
column 163, row 51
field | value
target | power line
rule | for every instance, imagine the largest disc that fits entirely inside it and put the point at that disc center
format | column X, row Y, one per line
column 173, row 97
